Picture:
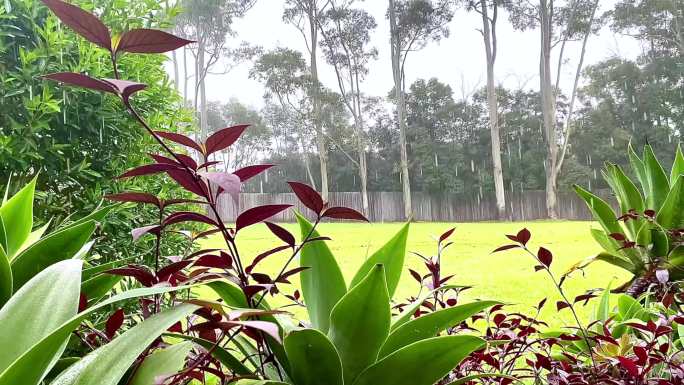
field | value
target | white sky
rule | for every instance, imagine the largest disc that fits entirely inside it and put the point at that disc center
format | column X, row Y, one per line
column 458, row 60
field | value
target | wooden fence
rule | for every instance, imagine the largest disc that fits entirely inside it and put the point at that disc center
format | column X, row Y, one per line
column 389, row 207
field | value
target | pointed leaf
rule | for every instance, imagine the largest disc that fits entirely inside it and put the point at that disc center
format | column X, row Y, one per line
column 308, row 196
column 677, row 165
column 671, row 214
column 344, row 213
column 391, row 255
column 658, row 185
column 424, row 362
column 230, row 183
column 431, row 324
column 83, row 23
column 323, row 284
column 145, row 40
column 136, row 197
column 257, row 214
column 163, row 363
column 6, row 288
column 180, row 139
column 246, row 173
column 313, row 357
column 601, row 211
column 281, row 233
column 17, row 218
column 224, row 138
column 222, row 355
column 360, row 323
column 148, row 169
column 80, row 80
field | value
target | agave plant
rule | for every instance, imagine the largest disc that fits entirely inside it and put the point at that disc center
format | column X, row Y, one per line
column 645, row 236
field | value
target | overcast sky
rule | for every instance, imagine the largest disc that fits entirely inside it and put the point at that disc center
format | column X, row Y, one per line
column 458, row 60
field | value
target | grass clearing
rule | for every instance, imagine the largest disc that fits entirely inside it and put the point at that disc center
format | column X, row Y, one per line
column 508, row 276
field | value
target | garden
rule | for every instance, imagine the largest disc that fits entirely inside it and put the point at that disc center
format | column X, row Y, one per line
column 139, row 246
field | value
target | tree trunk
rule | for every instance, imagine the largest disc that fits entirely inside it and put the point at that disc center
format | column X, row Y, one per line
column 204, row 127
column 320, row 137
column 176, row 75
column 489, row 35
column 185, row 77
column 401, row 105
column 548, row 110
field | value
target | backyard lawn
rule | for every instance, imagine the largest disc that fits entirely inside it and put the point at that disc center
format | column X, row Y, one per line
column 507, row 276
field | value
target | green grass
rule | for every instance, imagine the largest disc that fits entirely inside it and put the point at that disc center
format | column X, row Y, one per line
column 508, row 276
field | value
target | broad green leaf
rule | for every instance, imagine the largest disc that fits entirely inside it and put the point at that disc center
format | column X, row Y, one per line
column 628, row 307
column 677, row 165
column 93, row 271
column 617, row 261
column 17, row 215
column 627, row 194
column 163, row 363
column 421, row 363
column 98, row 286
column 608, row 244
column 313, row 358
column 680, row 332
column 34, row 236
column 408, row 312
column 322, row 283
column 37, row 310
column 639, row 169
column 224, row 356
column 603, row 309
column 391, row 255
column 55, row 247
column 97, row 216
column 5, row 278
column 230, row 294
column 675, row 263
column 250, row 352
column 36, row 361
column 3, row 236
column 360, row 322
column 658, row 185
column 671, row 214
column 601, row 211
column 107, row 364
column 431, row 324
column 660, row 242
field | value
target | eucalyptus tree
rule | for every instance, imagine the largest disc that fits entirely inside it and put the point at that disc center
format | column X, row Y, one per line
column 305, row 15
column 413, row 24
column 346, row 33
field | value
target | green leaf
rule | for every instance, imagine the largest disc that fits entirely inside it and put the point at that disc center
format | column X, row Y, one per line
column 313, row 358
column 35, row 362
column 603, row 309
column 17, row 215
column 658, row 185
column 97, row 216
column 36, row 311
column 617, row 261
column 639, row 169
column 391, row 255
column 163, row 363
column 671, row 214
column 55, row 247
column 221, row 354
column 421, row 363
column 322, row 283
column 360, row 322
column 627, row 194
column 5, row 278
column 677, row 165
column 408, row 312
column 431, row 324
column 98, row 286
column 601, row 211
column 230, row 294
column 106, row 365
column 260, row 382
column 3, row 236
column 93, row 271
column 34, row 236
column 629, row 308
column 675, row 262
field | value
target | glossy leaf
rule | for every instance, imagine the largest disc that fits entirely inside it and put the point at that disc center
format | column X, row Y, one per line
column 600, row 210
column 281, row 233
column 188, row 182
column 80, row 80
column 125, row 88
column 323, row 284
column 34, row 237
column 307, row 196
column 313, row 358
column 224, row 138
column 17, row 218
column 148, row 169
column 97, row 287
column 424, row 362
column 431, row 324
column 671, row 214
column 344, row 213
column 108, row 364
column 638, row 168
column 360, row 323
column 391, row 255
column 36, row 310
column 246, row 173
column 224, row 356
column 677, row 165
column 409, row 311
column 656, row 179
column 162, row 363
column 627, row 194
column 180, row 139
column 144, row 40
column 55, row 247
column 140, row 231
column 6, row 288
column 135, row 197
column 257, row 214
column 83, row 23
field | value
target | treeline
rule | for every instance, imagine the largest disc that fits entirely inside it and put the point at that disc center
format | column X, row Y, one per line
column 420, row 136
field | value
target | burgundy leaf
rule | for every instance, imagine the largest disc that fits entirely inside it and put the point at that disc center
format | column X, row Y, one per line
column 175, row 328
column 80, row 80
column 267, row 327
column 144, row 40
column 125, row 88
column 344, row 213
column 188, row 216
column 560, row 305
column 224, row 138
column 308, row 196
column 217, row 261
column 262, row 256
column 187, row 161
column 188, row 182
column 505, row 247
column 140, row 273
column 136, row 197
column 208, row 164
column 148, row 169
column 230, row 183
column 629, row 365
column 524, row 236
column 164, row 273
column 446, row 234
column 250, row 290
column 82, row 22
column 249, row 172
column 82, row 302
column 114, row 323
column 545, row 256
column 289, row 273
column 258, row 214
column 281, row 233
column 180, row 139
column 140, row 231
column 416, row 276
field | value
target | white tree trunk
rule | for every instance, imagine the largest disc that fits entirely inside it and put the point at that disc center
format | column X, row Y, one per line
column 548, row 105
